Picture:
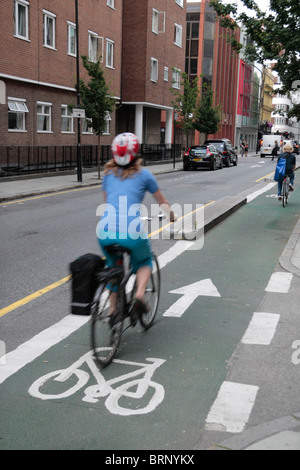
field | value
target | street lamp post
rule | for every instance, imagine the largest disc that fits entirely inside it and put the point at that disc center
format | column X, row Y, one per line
column 79, row 163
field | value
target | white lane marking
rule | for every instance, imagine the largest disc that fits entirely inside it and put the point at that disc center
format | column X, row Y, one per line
column 253, row 196
column 232, row 407
column 280, row 283
column 261, row 329
column 33, row 348
column 189, row 294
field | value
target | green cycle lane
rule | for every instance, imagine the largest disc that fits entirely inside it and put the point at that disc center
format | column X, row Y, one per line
column 186, row 356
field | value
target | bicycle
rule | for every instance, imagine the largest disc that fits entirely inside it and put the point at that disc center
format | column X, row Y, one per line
column 63, row 383
column 285, row 191
column 106, row 335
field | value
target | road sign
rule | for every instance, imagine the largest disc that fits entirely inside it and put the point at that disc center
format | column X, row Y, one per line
column 78, row 113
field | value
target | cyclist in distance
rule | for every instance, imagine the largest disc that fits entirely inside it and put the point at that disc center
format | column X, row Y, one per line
column 290, row 167
column 125, row 184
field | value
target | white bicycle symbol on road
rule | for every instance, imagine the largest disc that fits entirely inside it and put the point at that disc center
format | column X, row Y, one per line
column 131, row 387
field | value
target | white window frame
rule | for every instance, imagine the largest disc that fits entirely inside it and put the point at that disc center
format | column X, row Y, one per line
column 179, row 2
column 93, row 47
column 154, row 69
column 178, row 35
column 158, row 21
column 176, row 78
column 24, row 5
column 46, row 115
column 166, row 74
column 111, row 4
column 110, row 46
column 72, row 48
column 87, row 126
column 67, row 117
column 18, row 106
column 52, row 18
column 108, row 121
column 155, row 21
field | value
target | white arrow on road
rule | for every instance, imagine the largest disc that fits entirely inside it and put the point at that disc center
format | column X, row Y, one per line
column 189, row 294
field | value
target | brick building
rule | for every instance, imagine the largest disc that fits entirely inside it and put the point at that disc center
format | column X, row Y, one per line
column 38, row 67
column 209, row 53
column 153, row 57
column 139, row 42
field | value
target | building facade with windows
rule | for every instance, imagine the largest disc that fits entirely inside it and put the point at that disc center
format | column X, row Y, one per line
column 153, row 58
column 38, row 67
column 141, row 46
column 209, row 55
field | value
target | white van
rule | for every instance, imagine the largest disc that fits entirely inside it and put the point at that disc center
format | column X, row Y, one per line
column 268, row 143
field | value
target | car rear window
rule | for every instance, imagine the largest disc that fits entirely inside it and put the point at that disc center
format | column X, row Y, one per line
column 219, row 145
column 198, row 151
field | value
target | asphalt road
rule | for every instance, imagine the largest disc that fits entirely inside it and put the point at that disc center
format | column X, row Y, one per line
column 189, row 347
column 40, row 237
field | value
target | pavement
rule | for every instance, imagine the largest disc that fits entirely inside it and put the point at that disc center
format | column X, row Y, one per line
column 280, row 434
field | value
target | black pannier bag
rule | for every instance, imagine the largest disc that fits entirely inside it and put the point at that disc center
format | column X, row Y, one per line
column 84, row 284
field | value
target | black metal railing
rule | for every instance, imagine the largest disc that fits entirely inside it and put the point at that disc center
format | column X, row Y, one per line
column 31, row 160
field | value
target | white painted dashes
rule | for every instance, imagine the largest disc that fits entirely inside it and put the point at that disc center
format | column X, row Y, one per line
column 261, row 329
column 280, row 283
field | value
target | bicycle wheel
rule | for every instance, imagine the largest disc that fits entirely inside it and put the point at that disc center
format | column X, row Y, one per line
column 106, row 335
column 152, row 295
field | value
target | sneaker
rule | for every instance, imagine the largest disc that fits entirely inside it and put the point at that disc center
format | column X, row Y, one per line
column 279, row 198
column 291, row 187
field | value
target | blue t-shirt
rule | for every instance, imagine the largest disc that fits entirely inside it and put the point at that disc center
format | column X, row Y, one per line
column 123, row 203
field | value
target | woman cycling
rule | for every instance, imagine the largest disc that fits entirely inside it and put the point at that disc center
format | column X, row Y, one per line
column 125, row 184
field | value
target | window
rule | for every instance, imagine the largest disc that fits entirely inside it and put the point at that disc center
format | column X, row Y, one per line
column 49, row 29
column 166, row 74
column 179, row 2
column 155, row 21
column 66, row 119
column 110, row 3
column 178, row 35
column 93, row 47
column 176, row 78
column 44, row 117
column 158, row 21
column 108, row 121
column 16, row 114
column 154, row 70
column 109, row 53
column 87, row 126
column 72, row 50
column 21, row 19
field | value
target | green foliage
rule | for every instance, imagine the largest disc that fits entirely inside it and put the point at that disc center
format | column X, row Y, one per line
column 95, row 96
column 207, row 116
column 185, row 103
column 275, row 34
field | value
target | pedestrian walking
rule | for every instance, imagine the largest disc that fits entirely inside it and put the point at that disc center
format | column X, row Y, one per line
column 275, row 150
column 246, row 148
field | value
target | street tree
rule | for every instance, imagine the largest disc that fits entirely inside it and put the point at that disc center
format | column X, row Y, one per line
column 96, row 100
column 207, row 116
column 185, row 103
column 274, row 34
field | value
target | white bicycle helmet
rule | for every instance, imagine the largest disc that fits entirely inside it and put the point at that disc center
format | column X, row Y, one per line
column 125, row 148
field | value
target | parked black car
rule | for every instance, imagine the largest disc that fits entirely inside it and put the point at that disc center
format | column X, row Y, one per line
column 202, row 156
column 226, row 149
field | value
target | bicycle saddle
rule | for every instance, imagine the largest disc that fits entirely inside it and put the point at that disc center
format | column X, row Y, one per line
column 116, row 249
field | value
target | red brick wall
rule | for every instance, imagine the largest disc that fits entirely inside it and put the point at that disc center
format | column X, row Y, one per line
column 37, row 66
column 141, row 44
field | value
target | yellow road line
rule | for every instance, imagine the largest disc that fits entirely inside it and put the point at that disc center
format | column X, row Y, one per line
column 43, row 291
column 33, row 296
column 17, row 201
column 266, row 176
